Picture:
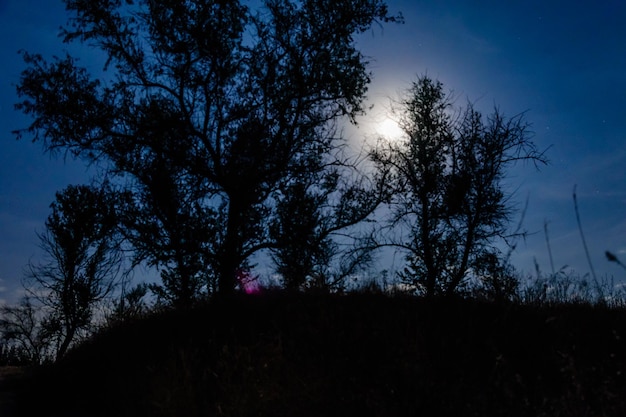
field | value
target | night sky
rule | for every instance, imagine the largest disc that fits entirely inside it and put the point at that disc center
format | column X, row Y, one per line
column 561, row 62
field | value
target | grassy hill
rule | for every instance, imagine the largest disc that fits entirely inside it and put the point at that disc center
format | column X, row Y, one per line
column 353, row 355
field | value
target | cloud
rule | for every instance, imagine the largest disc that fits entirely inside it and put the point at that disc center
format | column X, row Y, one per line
column 469, row 41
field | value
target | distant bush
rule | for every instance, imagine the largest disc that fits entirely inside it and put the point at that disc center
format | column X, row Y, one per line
column 13, row 355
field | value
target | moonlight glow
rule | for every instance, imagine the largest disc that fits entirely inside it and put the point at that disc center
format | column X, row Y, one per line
column 389, row 129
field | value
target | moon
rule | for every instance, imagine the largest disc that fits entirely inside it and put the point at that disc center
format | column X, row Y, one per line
column 389, row 129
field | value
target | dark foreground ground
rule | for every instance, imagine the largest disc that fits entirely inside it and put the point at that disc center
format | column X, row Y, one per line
column 9, row 381
column 358, row 355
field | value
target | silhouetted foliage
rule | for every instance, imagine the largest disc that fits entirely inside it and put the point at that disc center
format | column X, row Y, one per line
column 83, row 260
column 131, row 304
column 448, row 203
column 13, row 355
column 210, row 110
column 303, row 248
column 498, row 280
column 167, row 226
column 317, row 246
column 27, row 335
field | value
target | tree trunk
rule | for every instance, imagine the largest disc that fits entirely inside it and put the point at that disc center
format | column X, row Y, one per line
column 230, row 259
column 65, row 344
column 462, row 267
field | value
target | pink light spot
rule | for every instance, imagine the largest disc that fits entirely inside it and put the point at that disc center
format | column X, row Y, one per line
column 248, row 282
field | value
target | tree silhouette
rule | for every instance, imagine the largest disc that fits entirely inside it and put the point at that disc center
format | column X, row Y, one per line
column 317, row 245
column 83, row 260
column 25, row 331
column 303, row 248
column 448, row 203
column 222, row 104
column 166, row 227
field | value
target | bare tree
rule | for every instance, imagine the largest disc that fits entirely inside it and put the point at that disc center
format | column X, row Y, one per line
column 25, row 328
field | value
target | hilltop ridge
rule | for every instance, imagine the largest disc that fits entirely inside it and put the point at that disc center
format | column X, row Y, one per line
column 363, row 354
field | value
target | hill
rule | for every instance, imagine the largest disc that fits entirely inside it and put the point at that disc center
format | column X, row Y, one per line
column 353, row 355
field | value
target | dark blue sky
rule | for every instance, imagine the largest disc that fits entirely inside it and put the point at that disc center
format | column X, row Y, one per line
column 562, row 62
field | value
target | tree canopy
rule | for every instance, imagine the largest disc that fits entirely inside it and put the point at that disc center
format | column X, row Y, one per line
column 207, row 111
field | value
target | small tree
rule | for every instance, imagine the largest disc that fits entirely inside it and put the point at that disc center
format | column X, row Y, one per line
column 130, row 304
column 497, row 279
column 26, row 332
column 301, row 246
column 448, row 203
column 316, row 244
column 83, row 260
